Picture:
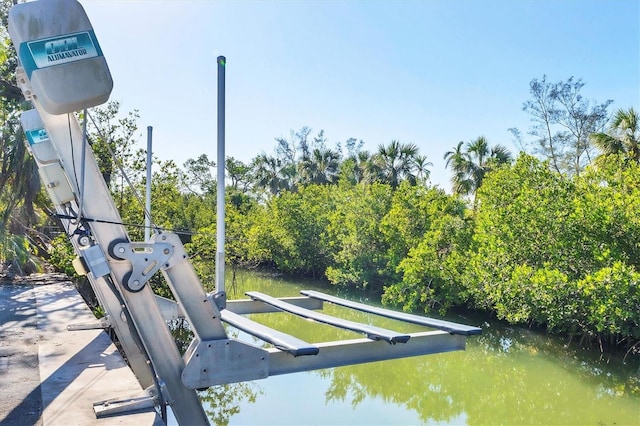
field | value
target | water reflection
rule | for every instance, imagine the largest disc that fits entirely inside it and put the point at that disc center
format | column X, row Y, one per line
column 220, row 402
column 518, row 383
column 507, row 375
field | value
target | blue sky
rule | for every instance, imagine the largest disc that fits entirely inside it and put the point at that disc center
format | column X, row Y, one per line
column 427, row 72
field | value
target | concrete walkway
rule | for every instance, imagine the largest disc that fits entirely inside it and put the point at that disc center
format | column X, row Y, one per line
column 52, row 376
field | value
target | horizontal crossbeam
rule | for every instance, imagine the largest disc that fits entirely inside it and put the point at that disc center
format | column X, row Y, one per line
column 451, row 327
column 358, row 351
column 248, row 306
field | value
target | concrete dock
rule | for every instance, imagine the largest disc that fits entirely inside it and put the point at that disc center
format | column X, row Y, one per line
column 52, row 376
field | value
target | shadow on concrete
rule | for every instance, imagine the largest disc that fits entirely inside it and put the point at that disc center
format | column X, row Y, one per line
column 49, row 375
column 19, row 370
column 23, row 413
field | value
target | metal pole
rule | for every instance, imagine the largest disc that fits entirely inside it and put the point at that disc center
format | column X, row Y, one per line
column 147, row 207
column 82, row 165
column 220, row 233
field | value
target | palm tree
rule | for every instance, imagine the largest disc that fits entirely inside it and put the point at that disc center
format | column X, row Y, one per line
column 623, row 137
column 471, row 165
column 396, row 162
column 421, row 166
column 270, row 174
column 19, row 189
column 361, row 163
column 356, row 168
column 484, row 159
column 459, row 162
column 19, row 180
column 320, row 166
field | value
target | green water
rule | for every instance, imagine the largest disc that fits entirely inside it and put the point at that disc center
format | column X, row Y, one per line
column 508, row 375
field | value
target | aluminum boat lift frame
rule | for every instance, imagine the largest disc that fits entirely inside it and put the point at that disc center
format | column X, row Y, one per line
column 119, row 270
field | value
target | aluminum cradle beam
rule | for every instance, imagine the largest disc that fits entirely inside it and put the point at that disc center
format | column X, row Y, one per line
column 280, row 340
column 451, row 327
column 375, row 333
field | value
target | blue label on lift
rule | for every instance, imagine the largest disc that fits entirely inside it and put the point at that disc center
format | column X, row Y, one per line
column 37, row 136
column 58, row 50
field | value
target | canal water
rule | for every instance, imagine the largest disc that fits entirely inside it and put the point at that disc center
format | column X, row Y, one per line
column 508, row 375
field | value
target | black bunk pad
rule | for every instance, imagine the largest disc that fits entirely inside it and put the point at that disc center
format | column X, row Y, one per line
column 450, row 327
column 280, row 340
column 374, row 333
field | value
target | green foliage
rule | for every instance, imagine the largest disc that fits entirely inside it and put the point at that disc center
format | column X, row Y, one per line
column 258, row 238
column 240, row 215
column 523, row 218
column 414, row 211
column 112, row 138
column 358, row 247
column 61, row 255
column 292, row 233
column 610, row 299
column 427, row 234
column 542, row 295
column 609, row 202
column 559, row 251
column 20, row 200
column 19, row 250
column 431, row 270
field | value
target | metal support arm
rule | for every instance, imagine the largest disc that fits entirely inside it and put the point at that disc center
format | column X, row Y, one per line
column 146, row 259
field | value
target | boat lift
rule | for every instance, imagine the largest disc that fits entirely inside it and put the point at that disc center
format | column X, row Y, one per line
column 62, row 70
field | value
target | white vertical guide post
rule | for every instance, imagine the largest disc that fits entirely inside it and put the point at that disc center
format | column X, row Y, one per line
column 147, row 206
column 220, row 229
